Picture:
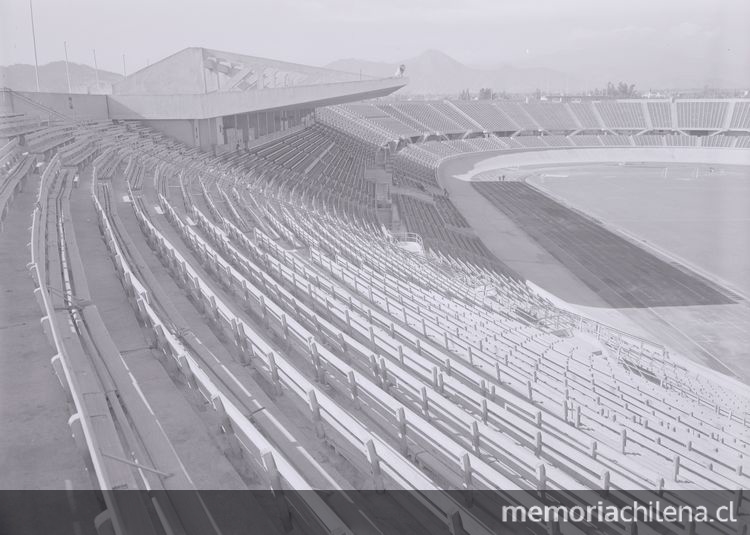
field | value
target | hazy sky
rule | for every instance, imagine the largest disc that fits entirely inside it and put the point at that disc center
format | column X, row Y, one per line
column 567, row 34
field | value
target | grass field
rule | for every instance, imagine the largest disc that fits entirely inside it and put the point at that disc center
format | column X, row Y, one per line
column 621, row 272
column 702, row 218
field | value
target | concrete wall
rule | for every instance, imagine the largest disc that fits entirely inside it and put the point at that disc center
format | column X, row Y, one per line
column 75, row 106
column 181, row 130
column 562, row 156
column 180, row 73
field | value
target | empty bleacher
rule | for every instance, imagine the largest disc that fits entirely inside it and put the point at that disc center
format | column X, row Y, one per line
column 518, row 114
column 718, row 141
column 425, row 219
column 584, row 113
column 649, row 140
column 12, row 125
column 552, row 115
column 414, row 118
column 15, row 167
column 661, row 114
column 616, row 140
column 701, row 114
column 484, row 113
column 433, row 119
column 381, row 368
column 676, row 140
column 585, row 140
column 558, row 141
column 740, row 116
column 529, row 142
column 621, row 114
column 449, row 110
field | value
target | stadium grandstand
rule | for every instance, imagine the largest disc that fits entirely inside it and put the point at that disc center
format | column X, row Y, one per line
column 247, row 274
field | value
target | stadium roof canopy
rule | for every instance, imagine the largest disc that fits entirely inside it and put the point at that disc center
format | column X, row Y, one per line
column 199, row 83
column 201, row 70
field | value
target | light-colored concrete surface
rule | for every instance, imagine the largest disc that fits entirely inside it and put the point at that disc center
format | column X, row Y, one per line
column 37, row 450
column 194, row 442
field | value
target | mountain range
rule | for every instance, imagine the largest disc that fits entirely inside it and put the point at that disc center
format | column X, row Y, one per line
column 52, row 78
column 434, row 72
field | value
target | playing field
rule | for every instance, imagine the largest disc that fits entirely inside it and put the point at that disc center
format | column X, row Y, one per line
column 620, row 271
column 700, row 217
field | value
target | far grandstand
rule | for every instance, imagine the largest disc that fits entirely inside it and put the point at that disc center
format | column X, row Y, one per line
column 255, row 276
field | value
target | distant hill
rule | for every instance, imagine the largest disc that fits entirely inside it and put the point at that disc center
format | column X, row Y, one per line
column 434, row 72
column 52, row 78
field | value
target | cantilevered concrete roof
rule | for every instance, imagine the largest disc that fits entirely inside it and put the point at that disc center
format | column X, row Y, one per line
column 199, row 83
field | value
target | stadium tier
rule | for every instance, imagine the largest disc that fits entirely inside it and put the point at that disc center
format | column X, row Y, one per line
column 328, row 355
column 416, row 119
column 740, row 116
column 552, row 115
column 661, row 115
column 700, row 115
column 622, row 115
column 489, row 117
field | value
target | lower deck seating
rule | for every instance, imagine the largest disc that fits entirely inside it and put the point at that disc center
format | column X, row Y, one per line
column 320, row 167
column 327, row 307
column 433, row 222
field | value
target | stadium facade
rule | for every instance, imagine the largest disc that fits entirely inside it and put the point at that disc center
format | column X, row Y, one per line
column 211, row 99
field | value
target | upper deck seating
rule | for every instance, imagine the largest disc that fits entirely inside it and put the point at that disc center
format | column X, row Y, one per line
column 584, row 113
column 701, row 114
column 552, row 115
column 517, row 113
column 489, row 116
column 660, row 113
column 447, row 109
column 407, row 119
column 433, row 119
column 740, row 116
column 621, row 115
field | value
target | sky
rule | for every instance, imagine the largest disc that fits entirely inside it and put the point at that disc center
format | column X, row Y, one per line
column 638, row 40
